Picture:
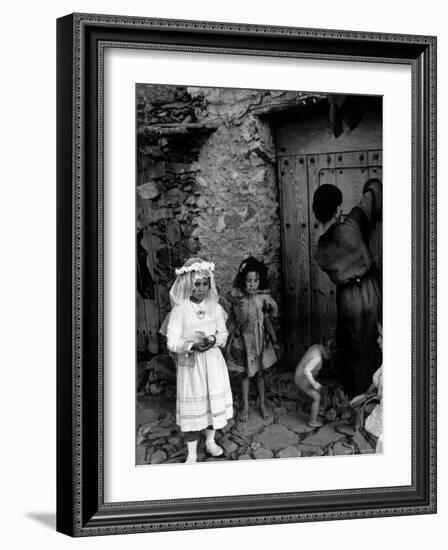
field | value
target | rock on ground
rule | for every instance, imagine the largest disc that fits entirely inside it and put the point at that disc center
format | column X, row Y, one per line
column 345, row 428
column 228, row 445
column 263, row 453
column 254, row 424
column 339, row 449
column 276, row 437
column 323, row 437
column 310, row 450
column 158, row 434
column 230, row 423
column 168, row 422
column 158, row 457
column 297, row 422
column 290, row 452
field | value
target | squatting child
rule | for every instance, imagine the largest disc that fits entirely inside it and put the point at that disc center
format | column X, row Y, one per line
column 306, row 371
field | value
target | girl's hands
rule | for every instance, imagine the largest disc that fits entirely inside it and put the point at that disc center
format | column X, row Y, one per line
column 207, row 344
column 200, row 347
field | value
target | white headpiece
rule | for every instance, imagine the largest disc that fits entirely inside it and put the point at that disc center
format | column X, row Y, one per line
column 198, row 265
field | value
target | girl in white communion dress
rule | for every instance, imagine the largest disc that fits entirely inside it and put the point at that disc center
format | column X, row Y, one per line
column 196, row 332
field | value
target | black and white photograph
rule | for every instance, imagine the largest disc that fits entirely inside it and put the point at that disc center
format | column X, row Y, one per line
column 259, row 274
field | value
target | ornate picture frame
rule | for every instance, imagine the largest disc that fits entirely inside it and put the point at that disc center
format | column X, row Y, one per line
column 81, row 506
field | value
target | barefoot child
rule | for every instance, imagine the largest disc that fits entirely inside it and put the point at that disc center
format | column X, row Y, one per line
column 195, row 331
column 308, row 368
column 252, row 341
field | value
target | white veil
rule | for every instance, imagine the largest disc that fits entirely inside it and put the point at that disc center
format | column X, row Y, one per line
column 192, row 270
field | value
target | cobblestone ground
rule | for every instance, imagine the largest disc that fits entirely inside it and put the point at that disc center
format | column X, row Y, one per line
column 285, row 434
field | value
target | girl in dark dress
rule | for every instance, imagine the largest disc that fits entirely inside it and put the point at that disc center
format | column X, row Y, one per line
column 252, row 346
column 343, row 254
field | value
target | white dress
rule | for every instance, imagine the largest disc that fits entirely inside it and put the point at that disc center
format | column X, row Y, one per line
column 204, row 397
column 374, row 422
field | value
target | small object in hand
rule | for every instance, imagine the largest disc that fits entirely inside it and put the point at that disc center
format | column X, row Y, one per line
column 210, row 340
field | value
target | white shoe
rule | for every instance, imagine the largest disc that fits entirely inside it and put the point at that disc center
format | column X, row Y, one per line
column 214, row 449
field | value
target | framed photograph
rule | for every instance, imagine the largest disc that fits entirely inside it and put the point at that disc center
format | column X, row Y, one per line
column 246, row 274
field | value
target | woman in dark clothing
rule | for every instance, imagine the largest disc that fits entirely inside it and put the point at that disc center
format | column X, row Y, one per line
column 344, row 255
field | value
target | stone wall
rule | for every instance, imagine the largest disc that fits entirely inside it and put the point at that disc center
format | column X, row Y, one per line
column 239, row 196
column 167, row 189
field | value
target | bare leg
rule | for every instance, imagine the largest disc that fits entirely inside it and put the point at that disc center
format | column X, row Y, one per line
column 315, row 396
column 261, row 395
column 315, row 411
column 244, row 414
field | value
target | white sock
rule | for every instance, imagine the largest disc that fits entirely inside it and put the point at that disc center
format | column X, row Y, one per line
column 210, row 436
column 192, row 451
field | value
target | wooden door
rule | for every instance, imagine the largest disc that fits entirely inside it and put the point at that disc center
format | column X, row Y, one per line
column 293, row 188
column 375, row 170
column 309, row 295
